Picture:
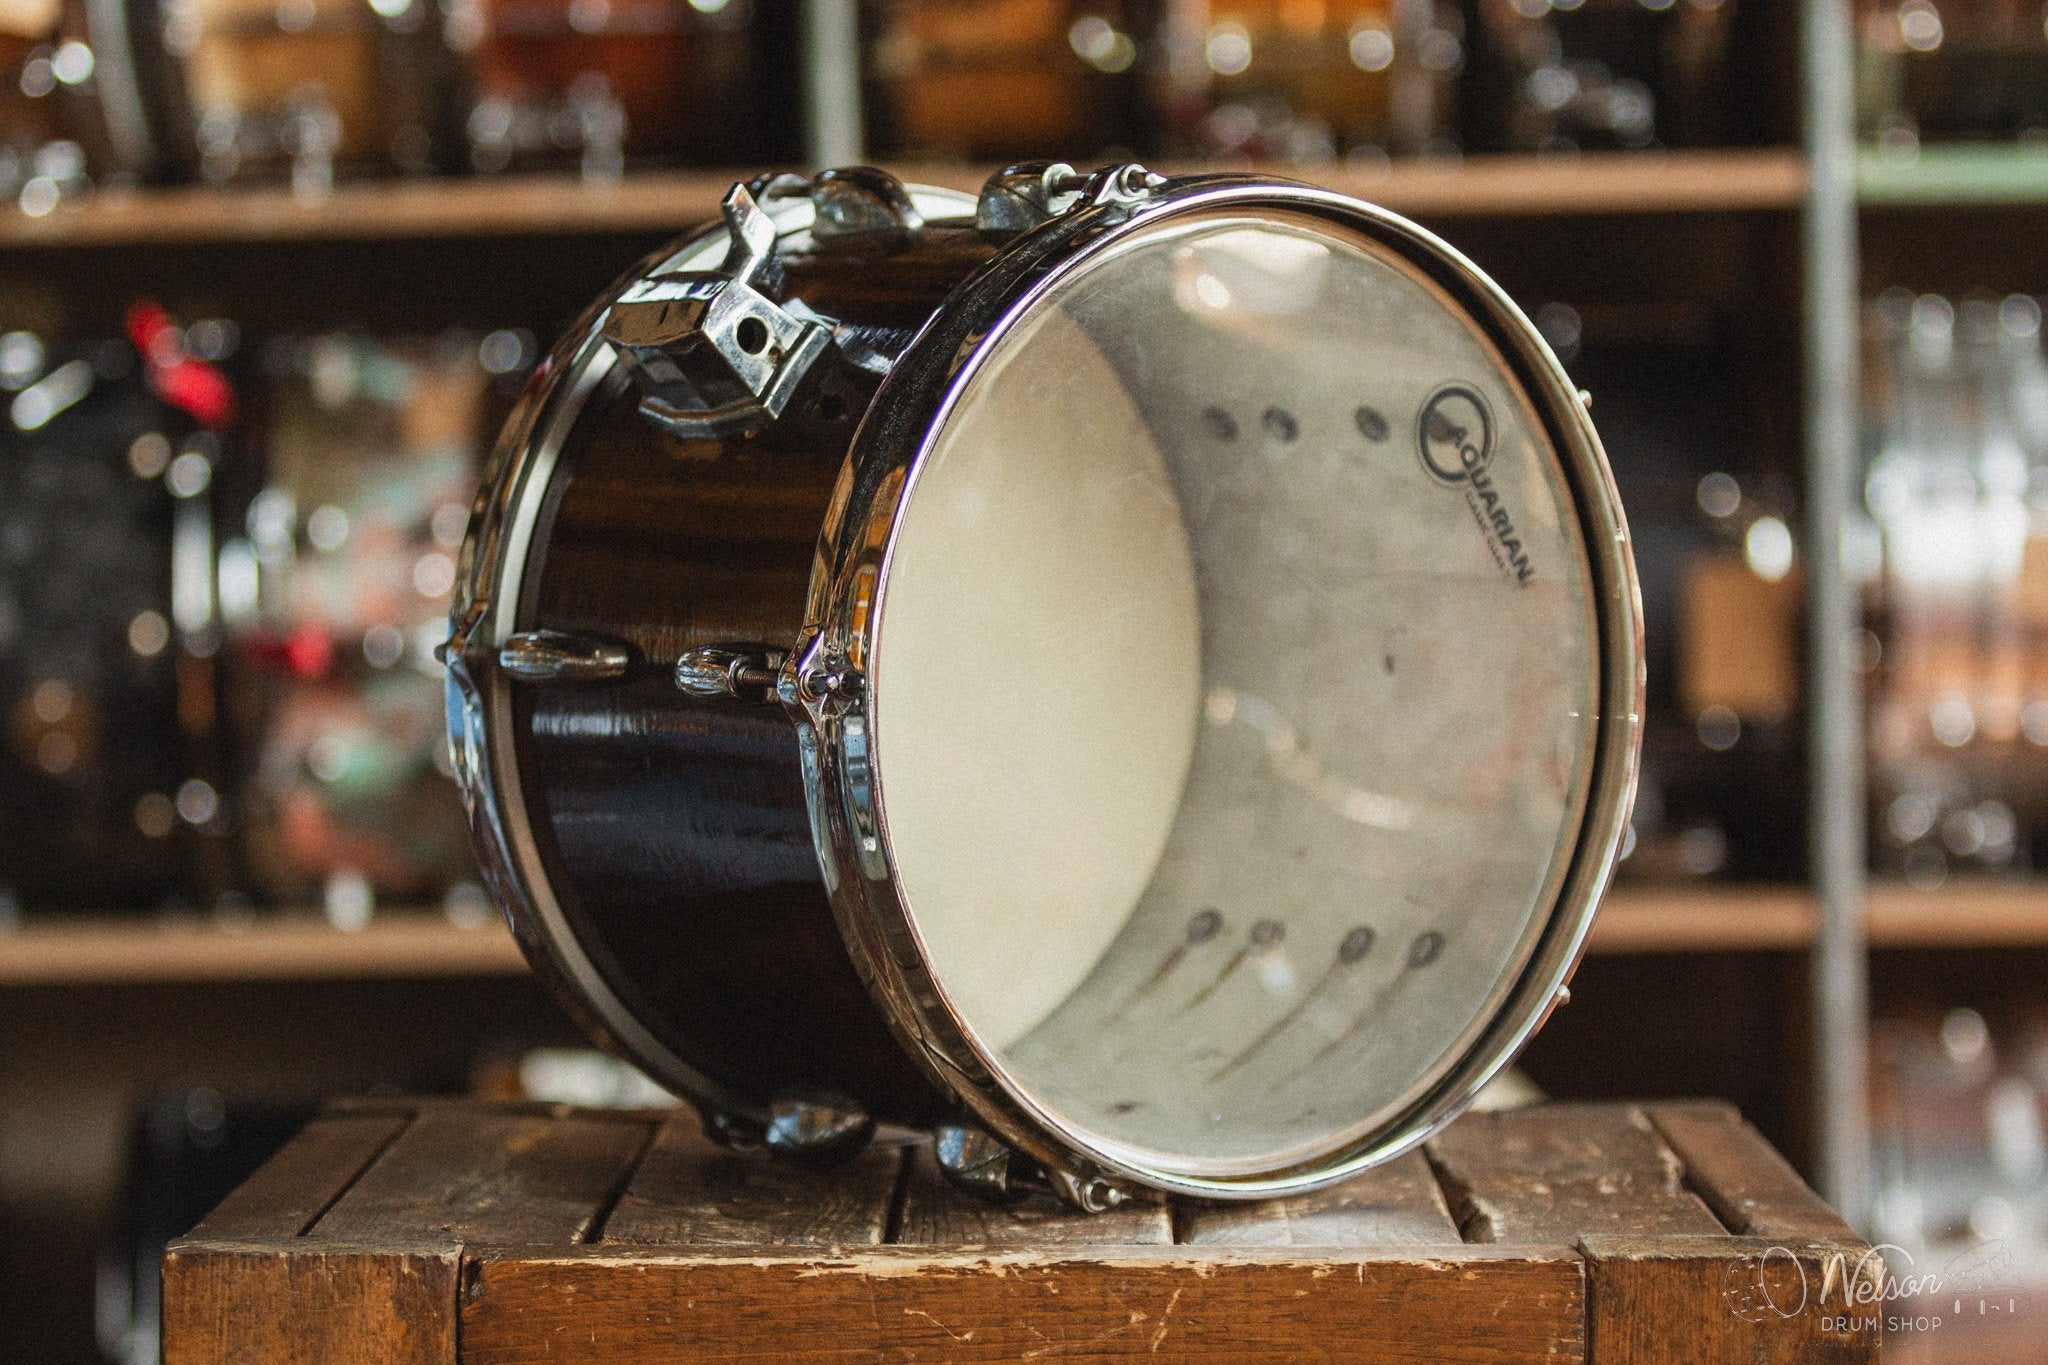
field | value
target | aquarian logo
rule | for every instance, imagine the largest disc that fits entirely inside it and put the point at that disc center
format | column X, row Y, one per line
column 1455, row 436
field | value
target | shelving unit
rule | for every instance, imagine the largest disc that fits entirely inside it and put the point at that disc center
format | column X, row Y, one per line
column 1541, row 206
column 424, row 944
column 1502, row 186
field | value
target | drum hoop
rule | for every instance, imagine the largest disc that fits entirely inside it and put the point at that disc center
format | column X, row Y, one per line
column 844, row 776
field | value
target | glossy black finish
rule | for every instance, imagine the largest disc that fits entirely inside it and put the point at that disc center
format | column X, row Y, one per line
column 674, row 829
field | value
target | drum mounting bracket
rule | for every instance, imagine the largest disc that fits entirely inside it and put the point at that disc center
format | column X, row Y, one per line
column 712, row 354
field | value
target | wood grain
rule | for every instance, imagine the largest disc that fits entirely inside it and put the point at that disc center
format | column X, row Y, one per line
column 1454, row 1306
column 1397, row 1204
column 308, row 1173
column 690, row 1192
column 389, row 1303
column 1556, row 1172
column 937, row 1215
column 1741, row 1177
column 477, row 1176
column 1724, row 1301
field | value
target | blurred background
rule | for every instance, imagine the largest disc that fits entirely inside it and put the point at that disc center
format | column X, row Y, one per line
column 271, row 272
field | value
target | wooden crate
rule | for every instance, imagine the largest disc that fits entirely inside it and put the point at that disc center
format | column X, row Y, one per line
column 441, row 1231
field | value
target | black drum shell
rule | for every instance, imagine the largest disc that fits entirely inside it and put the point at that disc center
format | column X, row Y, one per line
column 674, row 830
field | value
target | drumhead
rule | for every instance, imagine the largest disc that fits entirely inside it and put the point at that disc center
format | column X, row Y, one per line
column 1237, row 683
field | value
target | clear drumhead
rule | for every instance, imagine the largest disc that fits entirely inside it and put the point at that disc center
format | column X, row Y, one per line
column 1235, row 687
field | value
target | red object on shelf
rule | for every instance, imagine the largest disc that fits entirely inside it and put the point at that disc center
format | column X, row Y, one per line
column 185, row 382
column 308, row 652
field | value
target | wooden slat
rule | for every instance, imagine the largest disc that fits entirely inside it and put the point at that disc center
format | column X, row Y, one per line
column 690, row 1192
column 308, row 1173
column 309, row 1305
column 937, row 1215
column 1557, row 1172
column 1449, row 1306
column 1397, row 1204
column 1726, row 1301
column 1741, row 1177
column 484, row 1177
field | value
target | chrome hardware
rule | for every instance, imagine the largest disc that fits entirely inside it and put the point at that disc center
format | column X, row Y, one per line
column 560, row 656
column 712, row 354
column 862, row 201
column 1020, row 197
column 1129, row 183
column 1086, row 1193
column 731, row 1131
column 815, row 681
column 973, row 1161
column 729, row 671
column 978, row 1164
column 818, row 1132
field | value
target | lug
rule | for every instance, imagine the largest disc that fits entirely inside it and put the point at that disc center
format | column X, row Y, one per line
column 817, row 1131
column 746, row 672
column 562, row 656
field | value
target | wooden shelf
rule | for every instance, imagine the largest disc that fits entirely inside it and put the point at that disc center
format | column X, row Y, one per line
column 422, row 944
column 1704, row 919
column 116, row 951
column 1594, row 183
column 1954, row 175
column 1729, row 919
column 1960, row 915
column 1639, row 182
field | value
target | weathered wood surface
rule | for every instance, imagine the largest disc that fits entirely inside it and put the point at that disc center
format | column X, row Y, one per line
column 1646, row 1294
column 1558, row 1172
column 480, row 1177
column 691, row 1192
column 1398, row 1204
column 935, row 1214
column 1450, row 1306
column 517, row 1234
column 1742, row 1178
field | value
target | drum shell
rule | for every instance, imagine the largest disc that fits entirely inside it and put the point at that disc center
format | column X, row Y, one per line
column 674, row 830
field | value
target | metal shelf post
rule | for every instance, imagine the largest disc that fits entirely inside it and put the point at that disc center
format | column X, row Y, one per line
column 1836, row 837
